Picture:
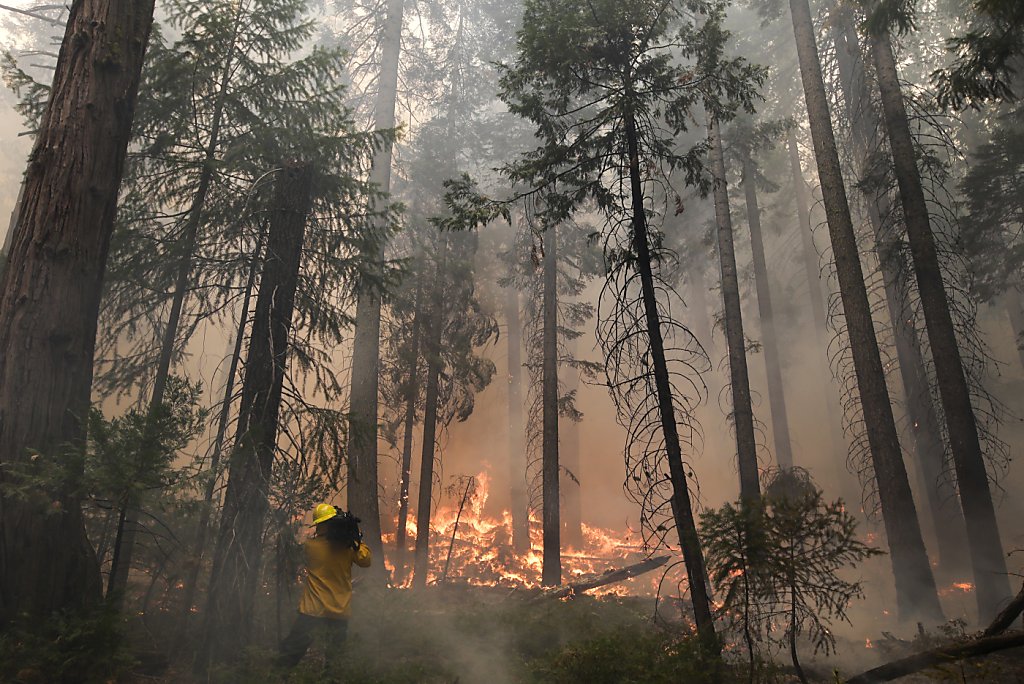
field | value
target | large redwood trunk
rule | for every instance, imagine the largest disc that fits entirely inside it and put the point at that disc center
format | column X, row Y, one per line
column 551, row 574
column 928, row 446
column 237, row 556
column 682, row 507
column 986, row 549
column 915, row 584
column 50, row 296
column 770, row 339
column 739, row 378
column 363, row 499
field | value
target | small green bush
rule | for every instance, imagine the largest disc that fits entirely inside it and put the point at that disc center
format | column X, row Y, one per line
column 66, row 648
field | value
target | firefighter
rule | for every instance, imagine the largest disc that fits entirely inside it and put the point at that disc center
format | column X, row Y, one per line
column 327, row 596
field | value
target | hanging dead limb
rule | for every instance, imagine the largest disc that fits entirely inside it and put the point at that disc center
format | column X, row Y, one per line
column 609, row 577
column 989, row 641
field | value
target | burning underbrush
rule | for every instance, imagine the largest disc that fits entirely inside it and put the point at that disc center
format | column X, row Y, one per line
column 470, row 545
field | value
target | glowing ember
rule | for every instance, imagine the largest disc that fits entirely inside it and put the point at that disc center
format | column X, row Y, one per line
column 957, row 588
column 868, row 644
column 482, row 553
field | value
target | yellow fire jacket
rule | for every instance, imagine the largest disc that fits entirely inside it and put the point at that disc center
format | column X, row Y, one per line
column 328, row 591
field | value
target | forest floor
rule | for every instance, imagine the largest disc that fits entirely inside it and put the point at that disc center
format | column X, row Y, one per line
column 488, row 636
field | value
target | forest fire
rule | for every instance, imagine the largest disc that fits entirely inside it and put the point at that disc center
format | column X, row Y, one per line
column 475, row 547
column 957, row 588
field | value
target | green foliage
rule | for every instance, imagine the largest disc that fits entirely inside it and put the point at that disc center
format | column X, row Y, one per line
column 993, row 225
column 68, row 648
column 987, row 58
column 632, row 657
column 780, row 560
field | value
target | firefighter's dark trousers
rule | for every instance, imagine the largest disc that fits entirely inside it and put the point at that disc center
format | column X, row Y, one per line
column 298, row 641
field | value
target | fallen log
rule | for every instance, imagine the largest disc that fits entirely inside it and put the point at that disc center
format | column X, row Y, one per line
column 609, row 577
column 938, row 656
column 988, row 641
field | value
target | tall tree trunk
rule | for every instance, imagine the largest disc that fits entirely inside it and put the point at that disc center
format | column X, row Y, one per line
column 986, row 548
column 363, row 402
column 421, row 560
column 739, row 379
column 770, row 340
column 412, row 395
column 569, row 455
column 551, row 574
column 191, row 583
column 128, row 526
column 682, row 507
column 50, row 297
column 236, row 563
column 915, row 585
column 929, row 449
column 516, row 451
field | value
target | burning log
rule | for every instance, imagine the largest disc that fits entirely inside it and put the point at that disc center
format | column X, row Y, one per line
column 989, row 641
column 609, row 577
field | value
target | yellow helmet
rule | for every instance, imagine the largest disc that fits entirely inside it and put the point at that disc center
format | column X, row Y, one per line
column 323, row 513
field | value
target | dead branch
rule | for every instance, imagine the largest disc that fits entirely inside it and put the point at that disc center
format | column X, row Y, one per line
column 609, row 577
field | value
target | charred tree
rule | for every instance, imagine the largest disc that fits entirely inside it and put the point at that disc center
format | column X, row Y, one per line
column 551, row 574
column 569, row 455
column 516, row 427
column 412, row 395
column 770, row 339
column 50, row 296
column 986, row 549
column 435, row 333
column 191, row 583
column 928, row 446
column 915, row 584
column 363, row 402
column 739, row 379
column 682, row 507
column 236, row 563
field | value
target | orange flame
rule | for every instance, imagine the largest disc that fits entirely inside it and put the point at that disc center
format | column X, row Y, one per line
column 483, row 555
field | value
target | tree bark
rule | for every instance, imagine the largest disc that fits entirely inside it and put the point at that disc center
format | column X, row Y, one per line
column 362, row 484
column 915, row 584
column 770, row 339
column 421, row 560
column 739, row 379
column 412, row 394
column 929, row 449
column 551, row 574
column 986, row 549
column 682, row 507
column 236, row 563
column 516, row 451
column 50, row 296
